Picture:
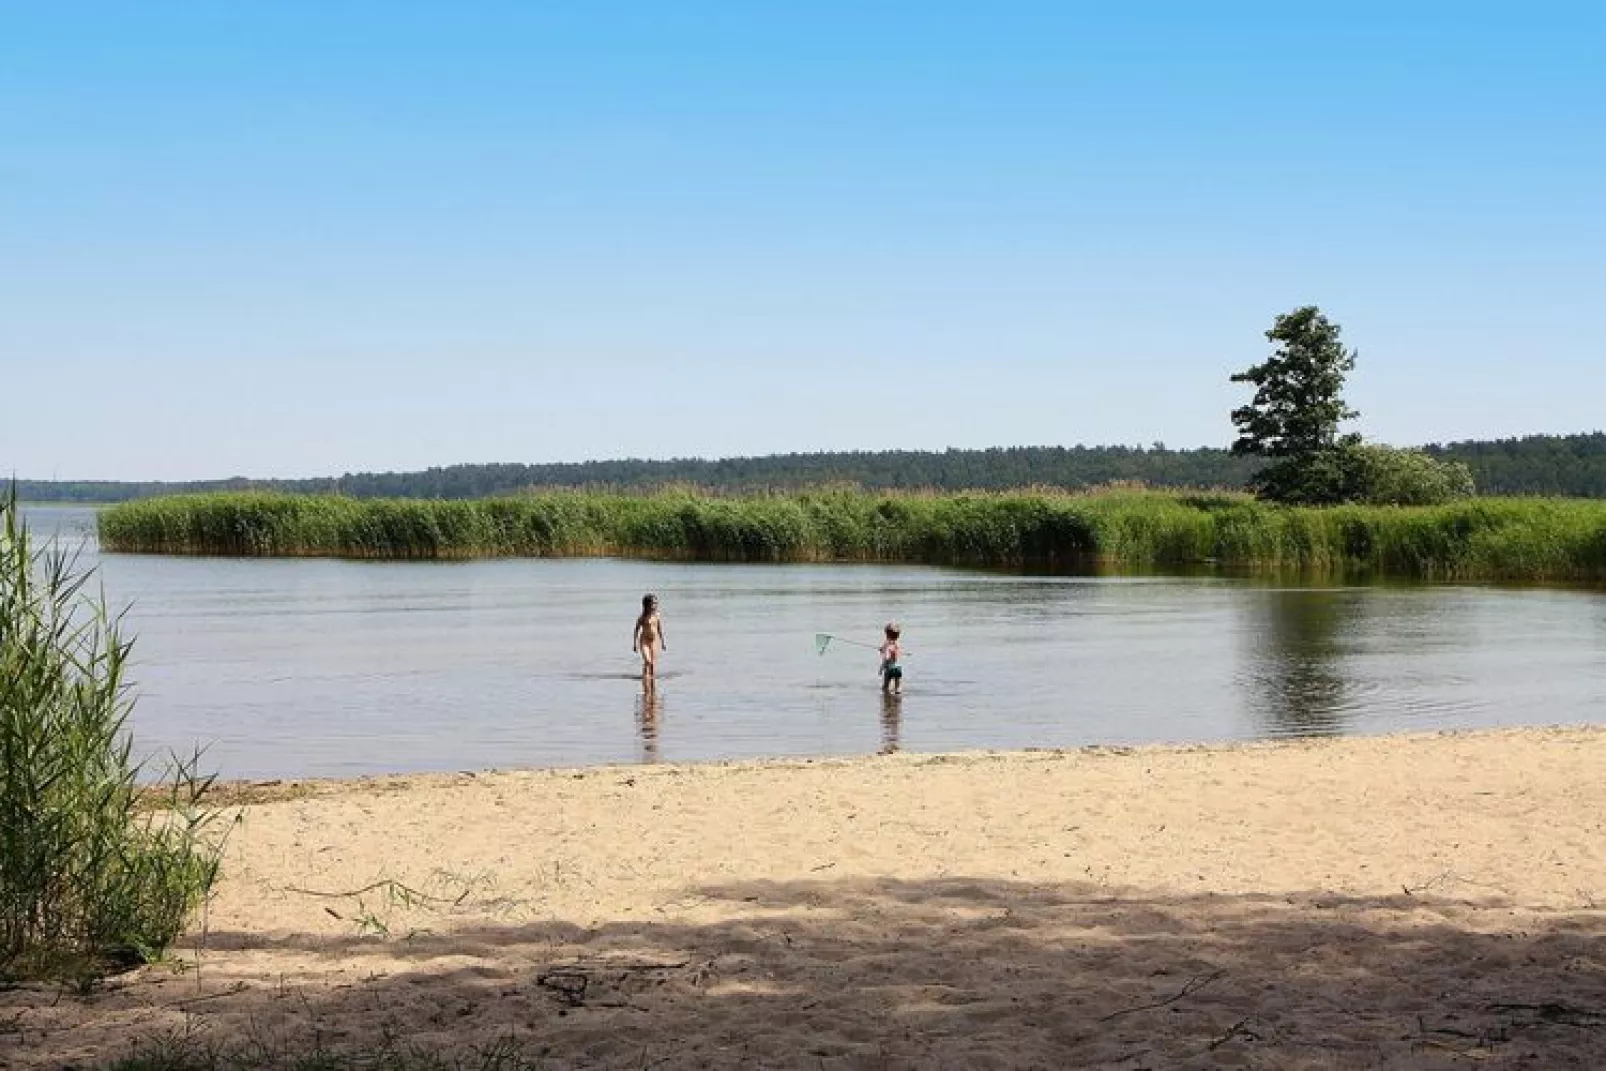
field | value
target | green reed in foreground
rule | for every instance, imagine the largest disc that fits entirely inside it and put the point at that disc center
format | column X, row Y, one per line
column 1510, row 539
column 92, row 876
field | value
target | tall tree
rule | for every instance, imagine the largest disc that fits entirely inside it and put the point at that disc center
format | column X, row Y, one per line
column 1298, row 406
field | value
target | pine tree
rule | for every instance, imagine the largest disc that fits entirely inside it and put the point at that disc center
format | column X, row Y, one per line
column 1298, row 406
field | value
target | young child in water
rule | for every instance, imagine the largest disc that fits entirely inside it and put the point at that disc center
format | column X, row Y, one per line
column 891, row 651
column 649, row 631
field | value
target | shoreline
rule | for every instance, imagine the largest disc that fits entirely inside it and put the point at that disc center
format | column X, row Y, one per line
column 1405, row 901
column 251, row 791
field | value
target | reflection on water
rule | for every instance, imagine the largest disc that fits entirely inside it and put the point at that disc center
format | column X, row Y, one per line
column 648, row 710
column 1294, row 653
column 891, row 721
column 329, row 668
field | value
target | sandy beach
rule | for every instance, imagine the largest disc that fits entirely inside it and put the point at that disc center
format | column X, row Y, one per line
column 1415, row 901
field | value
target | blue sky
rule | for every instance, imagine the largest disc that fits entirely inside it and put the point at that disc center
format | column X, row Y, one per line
column 292, row 238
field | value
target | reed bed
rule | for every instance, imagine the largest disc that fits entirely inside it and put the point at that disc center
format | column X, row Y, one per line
column 97, row 871
column 1478, row 539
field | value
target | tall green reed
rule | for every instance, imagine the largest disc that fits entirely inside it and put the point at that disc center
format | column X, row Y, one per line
column 91, row 875
column 1510, row 539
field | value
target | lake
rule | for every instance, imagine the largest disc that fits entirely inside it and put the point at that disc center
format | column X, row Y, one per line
column 321, row 668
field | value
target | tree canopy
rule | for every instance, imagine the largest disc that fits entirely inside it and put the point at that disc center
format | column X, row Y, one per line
column 1294, row 416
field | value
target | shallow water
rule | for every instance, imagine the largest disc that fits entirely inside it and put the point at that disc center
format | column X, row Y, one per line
column 301, row 668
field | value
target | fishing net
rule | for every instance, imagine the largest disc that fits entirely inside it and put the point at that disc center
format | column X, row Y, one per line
column 822, row 640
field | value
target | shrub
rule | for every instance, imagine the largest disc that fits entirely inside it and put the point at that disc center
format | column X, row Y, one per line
column 1385, row 476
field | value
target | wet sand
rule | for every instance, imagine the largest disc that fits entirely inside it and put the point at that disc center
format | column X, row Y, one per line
column 1413, row 901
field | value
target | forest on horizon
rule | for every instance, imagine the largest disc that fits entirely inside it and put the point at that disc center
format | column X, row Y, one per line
column 1564, row 465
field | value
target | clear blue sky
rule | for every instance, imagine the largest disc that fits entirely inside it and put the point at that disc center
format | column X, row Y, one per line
column 297, row 238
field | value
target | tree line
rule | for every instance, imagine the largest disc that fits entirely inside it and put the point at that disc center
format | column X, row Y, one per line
column 1570, row 465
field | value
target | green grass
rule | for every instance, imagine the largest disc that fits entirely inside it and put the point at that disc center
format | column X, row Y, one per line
column 1478, row 539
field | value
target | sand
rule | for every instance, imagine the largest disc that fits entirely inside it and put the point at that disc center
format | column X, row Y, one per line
column 1414, row 901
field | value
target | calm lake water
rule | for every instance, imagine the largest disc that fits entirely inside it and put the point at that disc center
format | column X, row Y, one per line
column 301, row 668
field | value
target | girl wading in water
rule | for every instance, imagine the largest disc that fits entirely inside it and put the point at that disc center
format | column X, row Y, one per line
column 891, row 661
column 649, row 631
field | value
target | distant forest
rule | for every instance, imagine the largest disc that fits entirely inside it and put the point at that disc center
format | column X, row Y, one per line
column 1572, row 465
